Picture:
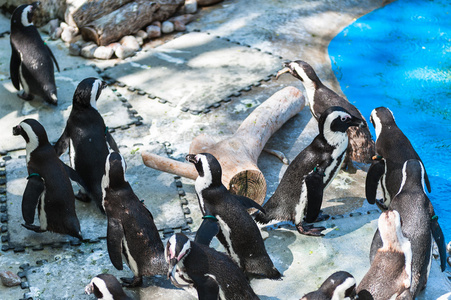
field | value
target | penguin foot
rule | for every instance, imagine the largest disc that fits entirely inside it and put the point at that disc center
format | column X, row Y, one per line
column 33, row 228
column 24, row 96
column 82, row 197
column 134, row 281
column 322, row 217
column 310, row 230
column 381, row 205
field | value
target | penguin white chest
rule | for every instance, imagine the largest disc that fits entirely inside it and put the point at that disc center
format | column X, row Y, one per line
column 227, row 232
column 129, row 258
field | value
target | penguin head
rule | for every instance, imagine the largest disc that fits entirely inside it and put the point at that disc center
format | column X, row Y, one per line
column 339, row 285
column 177, row 249
column 88, row 92
column 208, row 168
column 413, row 176
column 301, row 70
column 106, row 286
column 33, row 133
column 381, row 116
column 334, row 122
column 115, row 168
column 23, row 15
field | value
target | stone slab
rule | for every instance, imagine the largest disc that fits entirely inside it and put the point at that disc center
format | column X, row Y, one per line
column 195, row 70
column 14, row 109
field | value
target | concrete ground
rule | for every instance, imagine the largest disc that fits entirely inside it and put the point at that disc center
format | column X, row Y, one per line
column 207, row 80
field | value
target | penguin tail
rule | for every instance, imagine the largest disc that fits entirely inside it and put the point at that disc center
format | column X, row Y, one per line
column 274, row 274
column 262, row 218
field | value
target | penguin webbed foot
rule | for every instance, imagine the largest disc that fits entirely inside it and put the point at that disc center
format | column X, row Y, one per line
column 309, row 229
column 33, row 228
column 24, row 96
column 134, row 281
column 321, row 217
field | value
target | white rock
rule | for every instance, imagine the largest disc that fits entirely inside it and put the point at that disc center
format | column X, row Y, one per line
column 153, row 31
column 124, row 52
column 142, row 34
column 129, row 41
column 69, row 33
column 190, row 6
column 167, row 27
column 103, row 52
column 88, row 49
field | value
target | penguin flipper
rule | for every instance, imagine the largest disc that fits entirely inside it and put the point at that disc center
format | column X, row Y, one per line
column 207, row 287
column 62, row 144
column 53, row 57
column 249, row 203
column 111, row 142
column 31, row 195
column 115, row 233
column 74, row 176
column 439, row 239
column 14, row 67
column 375, row 172
column 207, row 230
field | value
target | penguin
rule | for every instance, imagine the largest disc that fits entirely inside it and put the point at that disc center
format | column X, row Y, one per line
column 338, row 286
column 417, row 215
column 48, row 188
column 31, row 64
column 390, row 273
column 225, row 215
column 87, row 138
column 106, row 287
column 300, row 192
column 320, row 98
column 131, row 228
column 393, row 149
column 213, row 274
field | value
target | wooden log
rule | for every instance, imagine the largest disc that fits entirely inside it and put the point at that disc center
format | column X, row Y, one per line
column 128, row 20
column 238, row 154
column 95, row 9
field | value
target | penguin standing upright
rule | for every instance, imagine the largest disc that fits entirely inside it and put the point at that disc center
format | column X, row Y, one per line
column 131, row 228
column 213, row 274
column 320, row 98
column 32, row 60
column 49, row 187
column 390, row 273
column 300, row 192
column 225, row 216
column 393, row 149
column 87, row 138
column 418, row 222
column 106, row 286
column 338, row 286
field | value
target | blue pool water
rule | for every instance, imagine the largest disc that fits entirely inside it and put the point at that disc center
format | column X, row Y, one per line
column 399, row 56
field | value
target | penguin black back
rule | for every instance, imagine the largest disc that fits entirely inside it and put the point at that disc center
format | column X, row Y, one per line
column 31, row 63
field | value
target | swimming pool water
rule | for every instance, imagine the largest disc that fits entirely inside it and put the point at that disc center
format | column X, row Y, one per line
column 399, row 56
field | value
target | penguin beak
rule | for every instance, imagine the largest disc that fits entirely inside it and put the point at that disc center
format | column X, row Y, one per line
column 354, row 121
column 104, row 85
column 16, row 130
column 191, row 158
column 286, row 69
column 88, row 289
column 172, row 267
column 35, row 5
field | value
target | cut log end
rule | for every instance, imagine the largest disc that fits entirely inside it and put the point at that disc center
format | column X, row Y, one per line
column 90, row 34
column 249, row 183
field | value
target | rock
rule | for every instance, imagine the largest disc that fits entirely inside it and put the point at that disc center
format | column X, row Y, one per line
column 448, row 248
column 179, row 26
column 129, row 41
column 114, row 46
column 142, row 34
column 140, row 40
column 156, row 23
column 56, row 34
column 74, row 49
column 9, row 278
column 167, row 27
column 88, row 49
column 207, row 2
column 153, row 31
column 124, row 52
column 190, row 6
column 69, row 33
column 103, row 52
column 185, row 19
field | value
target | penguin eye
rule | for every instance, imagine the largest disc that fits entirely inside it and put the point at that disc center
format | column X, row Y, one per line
column 345, row 118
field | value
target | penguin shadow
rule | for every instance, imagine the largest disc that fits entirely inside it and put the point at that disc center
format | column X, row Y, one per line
column 277, row 245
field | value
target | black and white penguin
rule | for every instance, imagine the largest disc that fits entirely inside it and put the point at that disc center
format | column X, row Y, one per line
column 338, row 286
column 320, row 98
column 390, row 273
column 31, row 65
column 214, row 275
column 48, row 187
column 87, row 138
column 300, row 192
column 393, row 149
column 417, row 215
column 106, row 287
column 225, row 216
column 131, row 228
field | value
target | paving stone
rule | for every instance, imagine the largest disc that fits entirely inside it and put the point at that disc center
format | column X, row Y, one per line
column 195, row 69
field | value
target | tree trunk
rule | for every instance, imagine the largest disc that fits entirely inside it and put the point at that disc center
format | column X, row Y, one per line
column 93, row 10
column 128, row 19
column 238, row 154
